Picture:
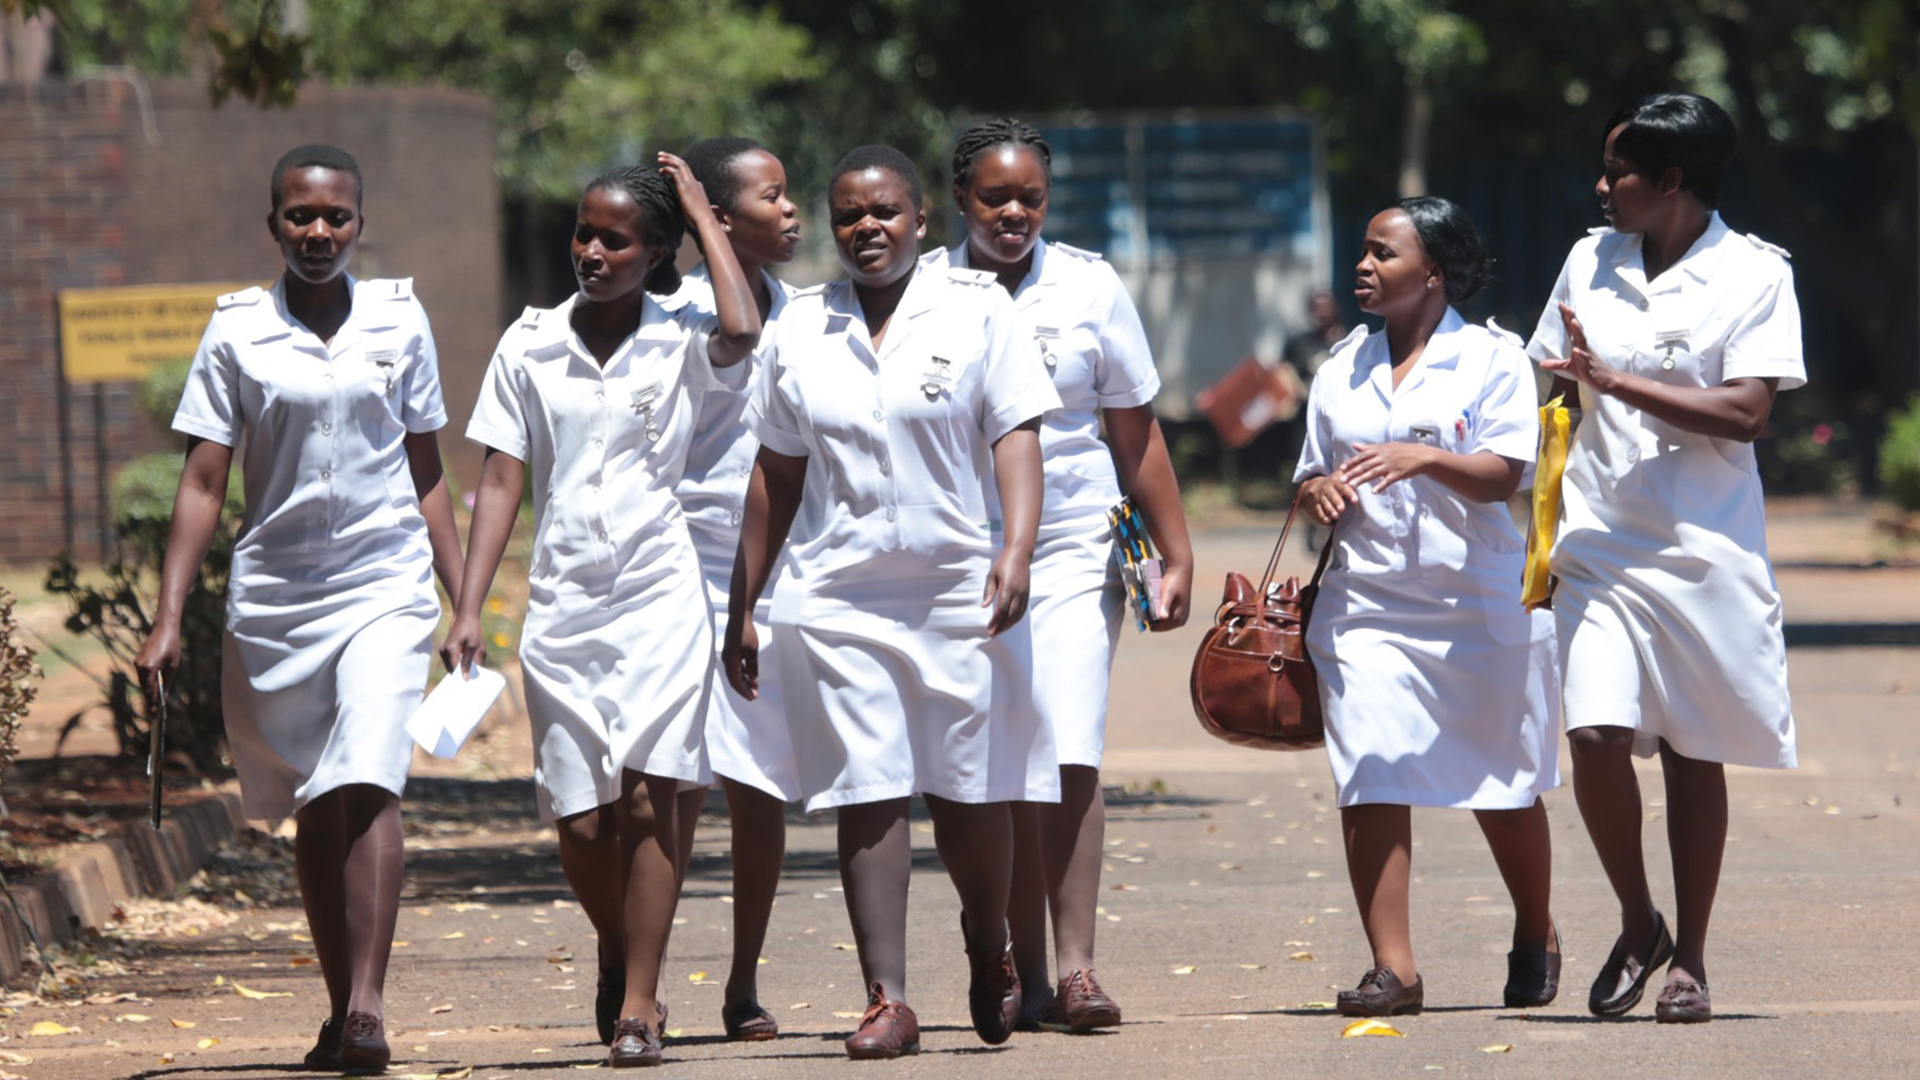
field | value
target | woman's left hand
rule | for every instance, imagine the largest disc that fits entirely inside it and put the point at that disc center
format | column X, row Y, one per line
column 1176, row 592
column 1383, row 464
column 1007, row 588
column 1581, row 365
column 693, row 197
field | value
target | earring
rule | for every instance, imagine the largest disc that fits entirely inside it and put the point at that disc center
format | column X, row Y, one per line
column 1431, row 282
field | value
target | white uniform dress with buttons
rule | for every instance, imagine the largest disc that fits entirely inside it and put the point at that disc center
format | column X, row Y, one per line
column 1439, row 687
column 331, row 607
column 889, row 672
column 1670, row 621
column 1077, row 322
column 747, row 741
column 617, row 648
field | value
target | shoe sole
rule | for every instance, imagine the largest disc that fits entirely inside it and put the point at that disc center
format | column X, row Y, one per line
column 1094, row 1020
column 1362, row 1013
column 1667, row 1015
column 878, row 1054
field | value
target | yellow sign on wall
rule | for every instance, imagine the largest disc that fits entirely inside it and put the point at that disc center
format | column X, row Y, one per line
column 111, row 335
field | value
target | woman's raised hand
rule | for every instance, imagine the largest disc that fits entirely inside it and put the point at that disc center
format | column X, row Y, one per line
column 693, row 197
column 1580, row 364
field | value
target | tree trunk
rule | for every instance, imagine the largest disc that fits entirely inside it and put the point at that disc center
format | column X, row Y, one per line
column 1414, row 136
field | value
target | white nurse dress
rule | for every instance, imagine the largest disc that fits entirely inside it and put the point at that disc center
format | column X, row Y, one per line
column 1669, row 618
column 1078, row 324
column 331, row 607
column 1439, row 688
column 747, row 741
column 884, row 653
column 617, row 647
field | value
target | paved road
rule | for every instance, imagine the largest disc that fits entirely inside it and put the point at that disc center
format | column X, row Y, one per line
column 1227, row 921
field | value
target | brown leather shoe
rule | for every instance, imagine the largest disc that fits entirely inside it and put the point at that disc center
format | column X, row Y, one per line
column 1080, row 1005
column 748, row 1021
column 888, row 1030
column 363, row 1044
column 325, row 1055
column 1684, row 1001
column 636, row 1044
column 993, row 994
column 1381, row 994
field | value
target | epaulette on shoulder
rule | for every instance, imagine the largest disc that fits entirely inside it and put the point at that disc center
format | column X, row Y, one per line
column 1354, row 337
column 966, row 275
column 1504, row 334
column 242, row 298
column 811, row 290
column 530, row 318
column 1765, row 246
column 1600, row 230
column 393, row 288
column 1078, row 253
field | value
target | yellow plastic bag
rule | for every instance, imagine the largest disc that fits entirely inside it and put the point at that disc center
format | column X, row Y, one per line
column 1555, row 428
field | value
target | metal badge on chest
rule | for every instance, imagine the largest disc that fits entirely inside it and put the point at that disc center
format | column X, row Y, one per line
column 644, row 400
column 1046, row 336
column 938, row 376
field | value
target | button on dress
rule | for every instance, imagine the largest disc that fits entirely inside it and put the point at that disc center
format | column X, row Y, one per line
column 747, row 741
column 888, row 670
column 617, row 649
column 1078, row 325
column 331, row 607
column 1670, row 621
column 1439, row 688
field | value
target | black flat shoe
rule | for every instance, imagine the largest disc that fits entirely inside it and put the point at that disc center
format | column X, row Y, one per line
column 325, row 1055
column 1533, row 975
column 1613, row 993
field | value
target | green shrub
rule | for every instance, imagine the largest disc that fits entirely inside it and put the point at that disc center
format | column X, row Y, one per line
column 1900, row 458
column 17, row 675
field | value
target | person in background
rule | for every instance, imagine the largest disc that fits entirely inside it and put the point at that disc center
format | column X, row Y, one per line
column 1077, row 324
column 330, row 389
column 1438, row 687
column 1677, row 332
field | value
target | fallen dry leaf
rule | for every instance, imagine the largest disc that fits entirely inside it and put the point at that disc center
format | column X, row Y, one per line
column 844, row 947
column 258, row 995
column 51, row 1027
column 302, row 961
column 1253, row 967
column 698, row 976
column 11, row 1076
column 847, row 1014
column 801, row 1005
column 1185, row 969
column 1497, row 1048
column 208, row 1043
column 1370, row 1027
column 457, row 934
column 1314, row 1005
column 1300, row 956
column 460, row 1073
column 14, row 1057
column 441, row 1009
column 672, row 1033
column 183, row 1023
column 132, row 1018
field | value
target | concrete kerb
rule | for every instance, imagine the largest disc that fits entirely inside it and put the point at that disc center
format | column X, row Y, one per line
column 81, row 891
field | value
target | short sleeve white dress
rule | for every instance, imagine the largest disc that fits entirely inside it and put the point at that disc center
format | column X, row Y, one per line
column 331, row 607
column 1670, row 621
column 1439, row 687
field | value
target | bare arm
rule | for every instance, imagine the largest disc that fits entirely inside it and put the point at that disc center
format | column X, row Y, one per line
column 773, row 498
column 738, row 332
column 495, row 507
column 1736, row 409
column 1016, row 469
column 1479, row 477
column 1146, row 473
column 436, row 505
column 196, row 514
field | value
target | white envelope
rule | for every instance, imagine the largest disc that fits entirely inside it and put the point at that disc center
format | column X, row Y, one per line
column 442, row 722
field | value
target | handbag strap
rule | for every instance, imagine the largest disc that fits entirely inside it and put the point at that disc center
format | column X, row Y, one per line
column 1273, row 564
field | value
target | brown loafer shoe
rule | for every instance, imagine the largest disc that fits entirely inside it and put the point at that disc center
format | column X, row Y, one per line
column 1381, row 994
column 1533, row 975
column 325, row 1055
column 1614, row 993
column 636, row 1044
column 1684, row 1001
column 993, row 993
column 363, row 1044
column 748, row 1021
column 888, row 1030
column 1080, row 1005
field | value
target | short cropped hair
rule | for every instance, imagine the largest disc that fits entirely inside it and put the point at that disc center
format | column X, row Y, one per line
column 1452, row 243
column 663, row 223
column 1676, row 130
column 862, row 158
column 316, row 155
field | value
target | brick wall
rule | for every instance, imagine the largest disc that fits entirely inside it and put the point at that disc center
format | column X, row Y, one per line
column 99, row 187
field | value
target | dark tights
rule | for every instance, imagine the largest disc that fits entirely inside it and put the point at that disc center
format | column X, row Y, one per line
column 624, row 865
column 348, row 854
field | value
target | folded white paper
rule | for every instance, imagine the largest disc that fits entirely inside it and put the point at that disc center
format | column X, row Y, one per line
column 442, row 722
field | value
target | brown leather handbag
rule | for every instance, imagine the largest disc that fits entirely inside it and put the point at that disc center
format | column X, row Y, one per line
column 1253, row 682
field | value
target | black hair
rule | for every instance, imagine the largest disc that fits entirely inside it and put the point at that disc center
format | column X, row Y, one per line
column 312, row 156
column 988, row 134
column 1676, row 130
column 662, row 221
column 1451, row 243
column 862, row 158
column 712, row 163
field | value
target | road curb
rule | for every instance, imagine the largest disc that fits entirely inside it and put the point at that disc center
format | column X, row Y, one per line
column 81, row 891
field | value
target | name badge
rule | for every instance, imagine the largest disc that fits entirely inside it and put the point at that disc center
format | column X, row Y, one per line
column 1044, row 336
column 1669, row 340
column 643, row 402
column 937, row 377
column 1426, row 434
column 386, row 359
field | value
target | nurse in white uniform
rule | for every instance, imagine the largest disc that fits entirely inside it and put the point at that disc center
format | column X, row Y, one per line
column 903, row 391
column 1439, row 687
column 598, row 397
column 331, row 386
column 1076, row 322
column 748, row 746
column 1678, row 332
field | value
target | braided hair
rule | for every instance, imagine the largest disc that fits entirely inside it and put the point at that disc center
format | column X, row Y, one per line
column 315, row 156
column 988, row 134
column 862, row 158
column 662, row 222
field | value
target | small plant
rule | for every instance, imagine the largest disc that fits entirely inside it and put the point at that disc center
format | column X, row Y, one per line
column 1899, row 470
column 17, row 675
